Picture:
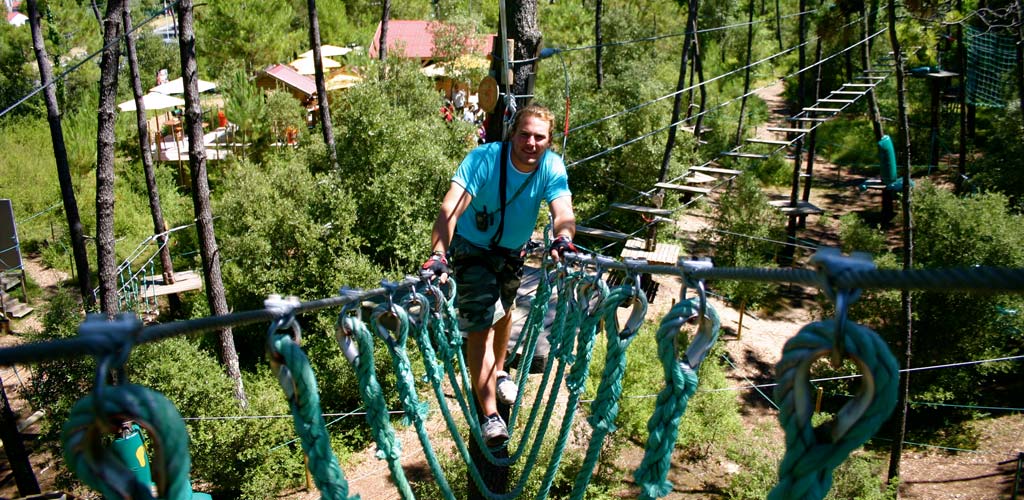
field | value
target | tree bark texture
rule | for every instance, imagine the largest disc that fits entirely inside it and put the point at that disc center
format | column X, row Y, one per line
column 521, row 26
column 159, row 227
column 14, row 448
column 699, row 66
column 900, row 415
column 801, row 55
column 107, row 115
column 746, row 73
column 598, row 62
column 385, row 16
column 677, row 102
column 812, row 137
column 321, row 85
column 865, row 60
column 60, row 153
column 201, row 195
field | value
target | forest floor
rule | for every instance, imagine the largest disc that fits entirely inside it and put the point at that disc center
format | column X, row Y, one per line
column 927, row 473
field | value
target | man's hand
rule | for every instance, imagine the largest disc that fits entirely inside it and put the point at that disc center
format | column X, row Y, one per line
column 437, row 264
column 561, row 245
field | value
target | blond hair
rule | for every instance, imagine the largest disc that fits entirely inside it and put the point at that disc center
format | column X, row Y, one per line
column 533, row 110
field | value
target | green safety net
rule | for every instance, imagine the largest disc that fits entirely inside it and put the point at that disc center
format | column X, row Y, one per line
column 585, row 305
column 991, row 58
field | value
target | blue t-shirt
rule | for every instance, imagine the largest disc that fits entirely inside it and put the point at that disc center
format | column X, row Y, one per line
column 478, row 174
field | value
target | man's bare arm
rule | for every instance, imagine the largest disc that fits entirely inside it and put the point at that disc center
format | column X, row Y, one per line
column 452, row 207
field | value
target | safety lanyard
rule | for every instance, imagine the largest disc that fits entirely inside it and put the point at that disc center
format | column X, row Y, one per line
column 502, row 186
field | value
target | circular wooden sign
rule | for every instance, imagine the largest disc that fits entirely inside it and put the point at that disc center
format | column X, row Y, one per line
column 488, row 93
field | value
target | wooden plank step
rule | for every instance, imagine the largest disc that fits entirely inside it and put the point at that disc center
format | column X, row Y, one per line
column 715, row 170
column 683, row 187
column 664, row 212
column 18, row 310
column 664, row 253
column 876, row 71
column 788, row 130
column 601, row 233
column 837, row 101
column 769, row 141
column 860, row 85
column 9, row 281
column 801, row 208
column 184, row 281
column 698, row 178
column 741, row 154
column 691, row 129
column 823, row 110
column 849, row 92
column 876, row 78
column 812, row 119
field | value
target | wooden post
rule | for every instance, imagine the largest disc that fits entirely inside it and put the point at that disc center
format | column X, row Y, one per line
column 15, row 450
column 817, row 402
column 739, row 324
column 309, row 479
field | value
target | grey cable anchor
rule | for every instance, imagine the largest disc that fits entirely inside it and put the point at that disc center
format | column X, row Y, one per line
column 708, row 324
column 831, row 265
column 346, row 324
column 284, row 310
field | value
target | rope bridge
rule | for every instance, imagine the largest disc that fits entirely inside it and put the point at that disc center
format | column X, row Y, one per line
column 584, row 302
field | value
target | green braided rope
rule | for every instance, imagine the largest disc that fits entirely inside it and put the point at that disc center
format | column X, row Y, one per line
column 531, row 330
column 812, row 454
column 605, row 407
column 101, row 469
column 388, row 447
column 299, row 384
column 593, row 307
column 415, row 411
column 680, row 385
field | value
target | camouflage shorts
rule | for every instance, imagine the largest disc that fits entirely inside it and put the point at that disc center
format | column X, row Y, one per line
column 487, row 280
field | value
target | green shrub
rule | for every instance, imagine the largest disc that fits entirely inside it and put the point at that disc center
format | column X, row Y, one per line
column 856, row 235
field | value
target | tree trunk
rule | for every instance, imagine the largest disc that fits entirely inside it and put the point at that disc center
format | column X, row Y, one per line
column 201, row 195
column 677, row 102
column 321, row 85
column 521, row 26
column 778, row 23
column 900, row 416
column 801, row 55
column 598, row 63
column 865, row 60
column 60, row 153
column 159, row 226
column 385, row 16
column 812, row 138
column 14, row 447
column 961, row 161
column 699, row 66
column 746, row 73
column 107, row 262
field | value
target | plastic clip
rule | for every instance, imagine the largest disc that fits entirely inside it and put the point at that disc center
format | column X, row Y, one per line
column 831, row 265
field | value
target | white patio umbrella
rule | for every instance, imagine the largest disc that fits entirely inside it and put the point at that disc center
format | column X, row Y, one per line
column 327, row 51
column 177, row 87
column 342, row 81
column 304, row 65
column 153, row 101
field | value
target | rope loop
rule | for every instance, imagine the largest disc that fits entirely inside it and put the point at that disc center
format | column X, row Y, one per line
column 831, row 266
column 102, row 469
column 812, row 453
column 391, row 324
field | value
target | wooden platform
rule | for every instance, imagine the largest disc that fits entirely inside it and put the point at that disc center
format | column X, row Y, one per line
column 837, row 101
column 683, row 187
column 601, row 233
column 801, row 208
column 663, row 253
column 741, row 154
column 715, row 170
column 184, row 281
column 769, row 141
column 664, row 212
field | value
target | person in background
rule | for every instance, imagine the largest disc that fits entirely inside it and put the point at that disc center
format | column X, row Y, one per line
column 484, row 235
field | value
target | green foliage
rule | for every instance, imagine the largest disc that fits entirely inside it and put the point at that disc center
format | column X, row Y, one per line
column 758, row 455
column 254, row 32
column 999, row 169
column 856, row 235
column 398, row 157
column 17, row 69
column 245, row 104
column 283, row 111
column 743, row 223
column 861, row 476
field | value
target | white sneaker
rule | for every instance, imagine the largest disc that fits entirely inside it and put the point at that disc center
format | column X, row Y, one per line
column 495, row 431
column 507, row 389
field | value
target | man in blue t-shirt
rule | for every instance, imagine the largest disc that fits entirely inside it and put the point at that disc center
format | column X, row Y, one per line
column 485, row 244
